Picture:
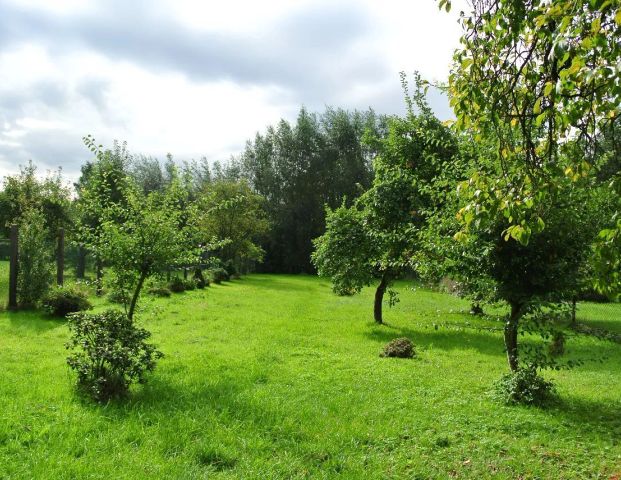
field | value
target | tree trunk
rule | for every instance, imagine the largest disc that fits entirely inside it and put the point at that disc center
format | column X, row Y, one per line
column 511, row 336
column 379, row 298
column 99, row 277
column 81, row 264
column 573, row 311
column 132, row 305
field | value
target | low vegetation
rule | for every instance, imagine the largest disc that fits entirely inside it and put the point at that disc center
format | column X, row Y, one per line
column 275, row 377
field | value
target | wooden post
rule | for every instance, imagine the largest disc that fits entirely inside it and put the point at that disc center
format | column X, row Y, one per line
column 60, row 258
column 13, row 266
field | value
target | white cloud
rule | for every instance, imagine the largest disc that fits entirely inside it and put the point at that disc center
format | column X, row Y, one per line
column 199, row 78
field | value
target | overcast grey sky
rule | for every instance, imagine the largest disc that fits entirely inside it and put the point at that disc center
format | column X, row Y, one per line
column 200, row 78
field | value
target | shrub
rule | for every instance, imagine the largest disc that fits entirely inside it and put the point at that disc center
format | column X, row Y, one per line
column 189, row 284
column 35, row 260
column 524, row 386
column 230, row 268
column 110, row 353
column 63, row 300
column 199, row 279
column 159, row 291
column 400, row 348
column 119, row 296
column 219, row 275
column 176, row 285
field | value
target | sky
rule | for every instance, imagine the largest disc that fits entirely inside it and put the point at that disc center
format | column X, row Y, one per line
column 200, row 78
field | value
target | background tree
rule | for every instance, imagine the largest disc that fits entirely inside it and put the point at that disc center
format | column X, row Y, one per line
column 233, row 212
column 25, row 191
column 299, row 169
column 386, row 222
column 35, row 259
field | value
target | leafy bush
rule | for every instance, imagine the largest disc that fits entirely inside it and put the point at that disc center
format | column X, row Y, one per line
column 63, row 300
column 159, row 291
column 119, row 296
column 400, row 348
column 199, row 279
column 110, row 353
column 35, row 260
column 178, row 284
column 230, row 268
column 219, row 275
column 524, row 386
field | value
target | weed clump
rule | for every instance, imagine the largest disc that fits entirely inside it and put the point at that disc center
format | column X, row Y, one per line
column 399, row 348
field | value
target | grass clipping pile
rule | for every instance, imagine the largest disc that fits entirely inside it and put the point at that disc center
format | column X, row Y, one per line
column 399, row 348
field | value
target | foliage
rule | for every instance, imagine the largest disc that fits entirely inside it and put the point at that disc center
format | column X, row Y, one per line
column 400, row 348
column 159, row 291
column 178, row 284
column 524, row 386
column 379, row 236
column 63, row 300
column 233, row 212
column 219, row 275
column 25, row 192
column 302, row 167
column 345, row 253
column 109, row 353
column 35, row 260
column 533, row 76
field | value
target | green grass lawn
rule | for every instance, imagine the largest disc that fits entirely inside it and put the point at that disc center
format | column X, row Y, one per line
column 275, row 377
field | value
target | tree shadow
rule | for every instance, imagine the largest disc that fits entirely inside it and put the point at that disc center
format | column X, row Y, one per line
column 33, row 321
column 442, row 338
column 597, row 419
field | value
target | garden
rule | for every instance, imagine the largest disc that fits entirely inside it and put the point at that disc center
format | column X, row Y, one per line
column 355, row 295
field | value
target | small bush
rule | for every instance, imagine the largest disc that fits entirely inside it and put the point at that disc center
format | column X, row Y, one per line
column 119, row 296
column 230, row 268
column 400, row 348
column 63, row 300
column 159, row 291
column 524, row 387
column 219, row 275
column 189, row 284
column 199, row 279
column 110, row 353
column 176, row 285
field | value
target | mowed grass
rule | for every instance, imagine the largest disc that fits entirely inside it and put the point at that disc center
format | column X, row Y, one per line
column 273, row 376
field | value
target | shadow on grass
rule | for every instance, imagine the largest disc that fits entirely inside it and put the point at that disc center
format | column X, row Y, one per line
column 280, row 283
column 601, row 420
column 33, row 320
column 445, row 339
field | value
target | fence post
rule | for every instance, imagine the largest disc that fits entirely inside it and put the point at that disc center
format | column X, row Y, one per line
column 60, row 258
column 13, row 266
